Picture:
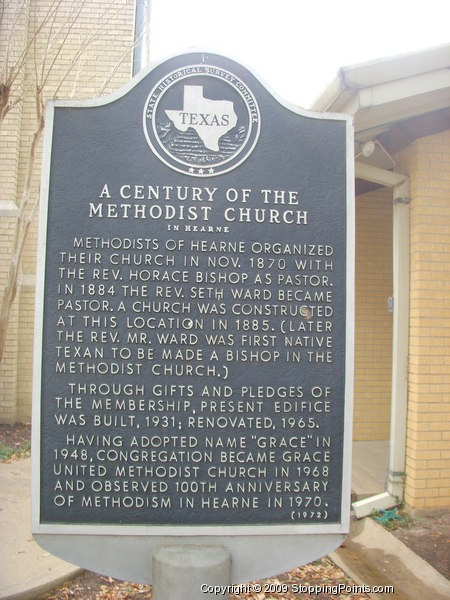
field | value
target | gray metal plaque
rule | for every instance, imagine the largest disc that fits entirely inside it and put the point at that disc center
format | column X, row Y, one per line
column 193, row 364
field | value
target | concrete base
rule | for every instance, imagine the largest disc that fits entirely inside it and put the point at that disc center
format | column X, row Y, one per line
column 190, row 572
column 129, row 557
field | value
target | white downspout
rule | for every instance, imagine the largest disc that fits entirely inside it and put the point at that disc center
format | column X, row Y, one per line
column 393, row 493
column 397, row 448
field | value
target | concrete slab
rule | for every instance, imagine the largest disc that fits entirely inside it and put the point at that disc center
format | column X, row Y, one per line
column 369, row 465
column 26, row 569
column 372, row 556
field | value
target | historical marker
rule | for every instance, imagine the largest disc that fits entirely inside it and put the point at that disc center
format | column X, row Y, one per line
column 193, row 373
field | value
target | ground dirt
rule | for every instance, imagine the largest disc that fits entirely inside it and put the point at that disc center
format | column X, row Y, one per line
column 14, row 441
column 428, row 535
column 90, row 586
column 424, row 532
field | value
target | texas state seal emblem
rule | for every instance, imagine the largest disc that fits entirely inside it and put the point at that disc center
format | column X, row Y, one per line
column 201, row 120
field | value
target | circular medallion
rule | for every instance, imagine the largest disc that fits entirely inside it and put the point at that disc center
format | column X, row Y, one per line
column 201, row 120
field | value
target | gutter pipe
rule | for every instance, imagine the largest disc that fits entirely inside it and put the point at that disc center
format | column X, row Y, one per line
column 393, row 494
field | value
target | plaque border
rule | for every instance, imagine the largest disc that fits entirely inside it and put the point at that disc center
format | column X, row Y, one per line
column 48, row 535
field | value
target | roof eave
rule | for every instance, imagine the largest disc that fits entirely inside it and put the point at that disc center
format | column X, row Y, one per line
column 399, row 77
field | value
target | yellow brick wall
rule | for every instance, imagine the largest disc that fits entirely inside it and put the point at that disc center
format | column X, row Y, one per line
column 13, row 36
column 95, row 58
column 8, row 378
column 13, row 39
column 373, row 322
column 427, row 161
column 25, row 351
